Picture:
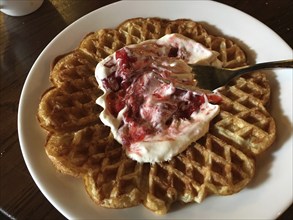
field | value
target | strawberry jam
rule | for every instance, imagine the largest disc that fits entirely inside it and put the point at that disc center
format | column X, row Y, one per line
column 152, row 119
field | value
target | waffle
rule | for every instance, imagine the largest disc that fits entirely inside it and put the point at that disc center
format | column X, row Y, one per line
column 78, row 144
column 70, row 104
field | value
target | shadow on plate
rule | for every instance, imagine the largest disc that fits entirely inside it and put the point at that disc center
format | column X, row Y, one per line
column 284, row 131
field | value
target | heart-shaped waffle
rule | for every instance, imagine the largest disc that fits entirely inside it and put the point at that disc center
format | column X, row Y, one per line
column 222, row 162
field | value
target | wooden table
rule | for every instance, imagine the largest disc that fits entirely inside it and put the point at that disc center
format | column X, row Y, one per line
column 22, row 40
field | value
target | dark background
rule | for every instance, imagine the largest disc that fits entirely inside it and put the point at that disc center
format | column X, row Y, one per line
column 19, row 196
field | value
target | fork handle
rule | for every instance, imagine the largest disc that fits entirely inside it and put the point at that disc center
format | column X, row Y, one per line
column 266, row 65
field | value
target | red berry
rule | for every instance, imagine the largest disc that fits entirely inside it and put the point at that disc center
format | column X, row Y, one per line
column 214, row 98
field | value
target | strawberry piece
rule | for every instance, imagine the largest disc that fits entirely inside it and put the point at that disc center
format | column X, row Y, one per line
column 115, row 102
column 173, row 52
column 214, row 98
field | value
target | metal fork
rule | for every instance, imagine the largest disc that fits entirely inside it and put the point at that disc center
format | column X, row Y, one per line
column 210, row 78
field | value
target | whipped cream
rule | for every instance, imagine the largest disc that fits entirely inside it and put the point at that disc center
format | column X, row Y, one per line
column 152, row 119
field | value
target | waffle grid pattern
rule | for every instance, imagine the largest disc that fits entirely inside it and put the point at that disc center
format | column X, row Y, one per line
column 78, row 143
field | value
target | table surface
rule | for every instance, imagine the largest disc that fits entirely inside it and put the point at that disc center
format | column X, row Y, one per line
column 19, row 196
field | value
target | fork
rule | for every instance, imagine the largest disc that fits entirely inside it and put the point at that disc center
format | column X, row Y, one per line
column 210, row 78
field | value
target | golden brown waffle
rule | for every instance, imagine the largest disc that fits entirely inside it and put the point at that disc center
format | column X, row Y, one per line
column 222, row 162
column 243, row 120
column 70, row 104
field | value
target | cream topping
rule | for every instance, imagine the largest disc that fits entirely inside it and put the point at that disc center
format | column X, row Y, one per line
column 152, row 119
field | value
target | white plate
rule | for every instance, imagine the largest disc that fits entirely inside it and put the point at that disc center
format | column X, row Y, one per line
column 268, row 195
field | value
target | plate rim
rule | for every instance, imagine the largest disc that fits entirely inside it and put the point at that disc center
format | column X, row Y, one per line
column 29, row 78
